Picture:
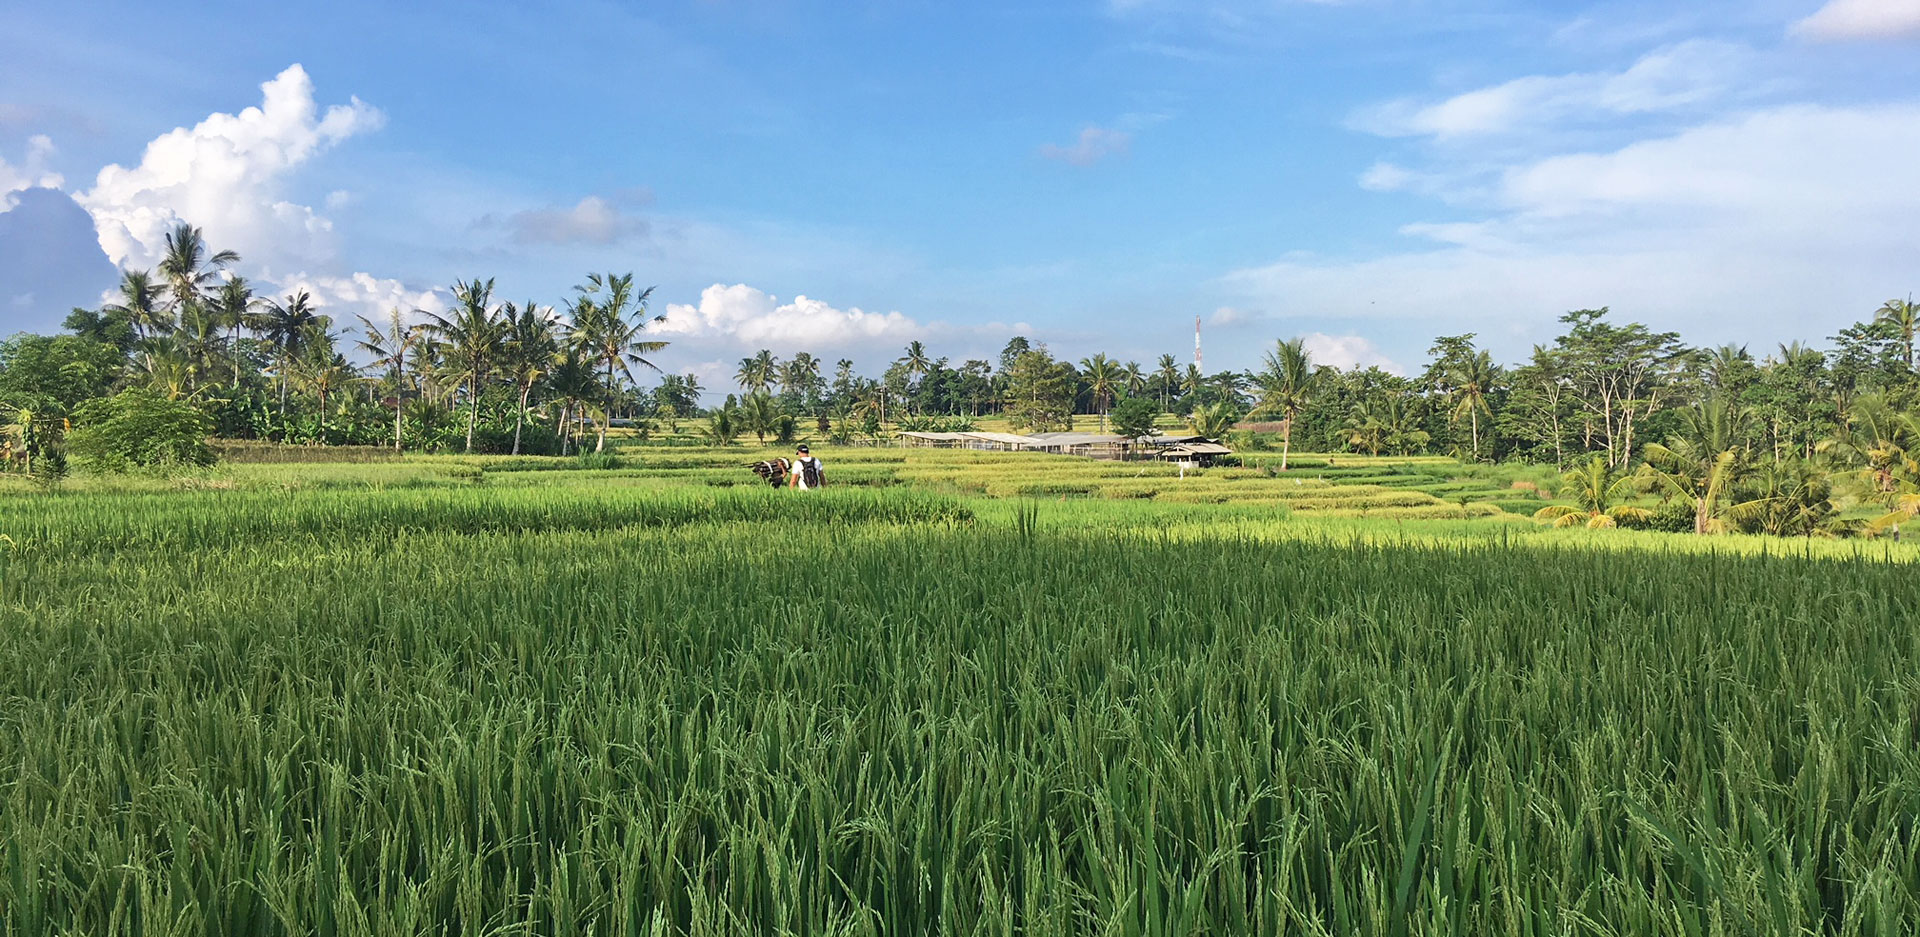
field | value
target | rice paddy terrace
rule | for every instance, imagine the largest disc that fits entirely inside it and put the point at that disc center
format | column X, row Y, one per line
column 956, row 693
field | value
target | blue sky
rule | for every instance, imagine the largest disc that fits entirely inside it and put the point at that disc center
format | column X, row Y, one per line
column 1369, row 173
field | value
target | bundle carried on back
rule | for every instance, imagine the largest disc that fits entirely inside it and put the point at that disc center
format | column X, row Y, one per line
column 773, row 470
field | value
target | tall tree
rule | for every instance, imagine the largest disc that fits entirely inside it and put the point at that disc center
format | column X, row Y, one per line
column 1166, row 373
column 916, row 363
column 1287, row 384
column 758, row 372
column 140, row 304
column 1703, row 463
column 1039, row 391
column 231, row 304
column 389, row 348
column 471, row 337
column 609, row 322
column 1104, row 377
column 575, row 384
column 188, row 268
column 1472, row 380
column 532, row 349
column 1620, row 375
column 1903, row 317
column 285, row 325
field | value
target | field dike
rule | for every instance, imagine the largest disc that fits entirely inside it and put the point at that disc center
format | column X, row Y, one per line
column 723, row 713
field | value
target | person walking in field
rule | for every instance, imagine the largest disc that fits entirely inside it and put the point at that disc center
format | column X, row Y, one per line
column 805, row 473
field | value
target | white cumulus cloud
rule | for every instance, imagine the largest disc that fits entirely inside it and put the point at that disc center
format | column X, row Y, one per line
column 752, row 317
column 31, row 173
column 225, row 174
column 363, row 294
column 1862, row 19
column 1348, row 351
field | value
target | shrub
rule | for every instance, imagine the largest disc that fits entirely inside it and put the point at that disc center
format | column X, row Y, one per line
column 137, row 429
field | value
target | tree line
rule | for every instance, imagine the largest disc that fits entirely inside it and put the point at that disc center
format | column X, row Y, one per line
column 190, row 340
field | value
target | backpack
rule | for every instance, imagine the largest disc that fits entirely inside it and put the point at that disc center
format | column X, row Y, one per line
column 811, row 475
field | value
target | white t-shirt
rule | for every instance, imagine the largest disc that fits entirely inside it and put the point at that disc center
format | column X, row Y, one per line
column 799, row 470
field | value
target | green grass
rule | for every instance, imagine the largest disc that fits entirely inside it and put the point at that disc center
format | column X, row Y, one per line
column 280, row 700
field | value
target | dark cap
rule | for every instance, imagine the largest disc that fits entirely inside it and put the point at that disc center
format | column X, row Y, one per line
column 803, row 447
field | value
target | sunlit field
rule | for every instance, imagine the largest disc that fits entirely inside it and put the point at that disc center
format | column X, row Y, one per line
column 954, row 693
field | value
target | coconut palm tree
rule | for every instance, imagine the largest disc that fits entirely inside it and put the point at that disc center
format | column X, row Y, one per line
column 1288, row 383
column 1903, row 317
column 1702, row 478
column 1878, row 443
column 1367, row 426
column 1192, row 381
column 1213, row 420
column 757, row 374
column 230, row 305
column 799, row 374
column 389, row 348
column 188, row 269
column 609, row 318
column 1134, row 377
column 140, row 304
column 1166, row 373
column 1104, row 377
column 470, row 336
column 286, row 325
column 574, row 383
column 1599, row 492
column 759, row 414
column 1472, row 378
column 198, row 341
column 1703, row 462
column 323, row 370
column 532, row 348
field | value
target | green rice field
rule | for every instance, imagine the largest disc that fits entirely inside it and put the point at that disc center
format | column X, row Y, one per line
column 954, row 693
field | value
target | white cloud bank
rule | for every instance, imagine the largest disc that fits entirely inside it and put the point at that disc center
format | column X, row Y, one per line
column 1862, row 19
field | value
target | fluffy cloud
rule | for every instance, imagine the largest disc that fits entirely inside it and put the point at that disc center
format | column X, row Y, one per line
column 737, row 319
column 751, row 317
column 225, row 174
column 1093, row 145
column 1348, row 351
column 30, row 174
column 1674, row 77
column 363, row 294
column 593, row 220
column 1746, row 226
column 1862, row 19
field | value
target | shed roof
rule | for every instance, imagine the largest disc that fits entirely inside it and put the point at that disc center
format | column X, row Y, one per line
column 1196, row 448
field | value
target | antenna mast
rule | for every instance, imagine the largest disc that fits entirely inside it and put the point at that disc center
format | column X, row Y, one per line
column 1196, row 345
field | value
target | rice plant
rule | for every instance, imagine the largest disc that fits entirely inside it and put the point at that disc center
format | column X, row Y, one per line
column 583, row 703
